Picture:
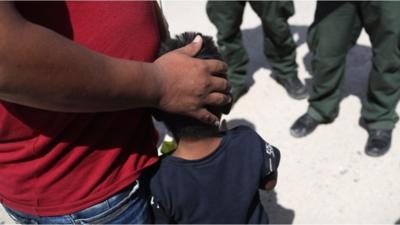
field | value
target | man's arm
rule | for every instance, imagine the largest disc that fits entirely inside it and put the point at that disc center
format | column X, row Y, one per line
column 42, row 69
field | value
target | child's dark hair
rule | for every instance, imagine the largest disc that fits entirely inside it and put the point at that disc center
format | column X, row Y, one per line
column 182, row 126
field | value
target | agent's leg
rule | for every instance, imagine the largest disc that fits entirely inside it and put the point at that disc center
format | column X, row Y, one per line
column 335, row 29
column 279, row 47
column 227, row 18
column 383, row 26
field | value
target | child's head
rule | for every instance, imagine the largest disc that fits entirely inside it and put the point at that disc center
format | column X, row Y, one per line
column 208, row 49
column 182, row 126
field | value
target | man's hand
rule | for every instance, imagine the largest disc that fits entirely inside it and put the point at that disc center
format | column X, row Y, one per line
column 42, row 69
column 187, row 84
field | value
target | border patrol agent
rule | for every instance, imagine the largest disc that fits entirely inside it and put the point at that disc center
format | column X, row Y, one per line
column 335, row 30
column 279, row 46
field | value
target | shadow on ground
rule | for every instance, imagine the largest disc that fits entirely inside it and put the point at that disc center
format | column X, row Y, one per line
column 277, row 214
column 253, row 42
column 397, row 222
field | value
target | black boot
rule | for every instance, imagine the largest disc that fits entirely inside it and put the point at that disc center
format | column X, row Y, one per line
column 294, row 87
column 303, row 126
column 378, row 143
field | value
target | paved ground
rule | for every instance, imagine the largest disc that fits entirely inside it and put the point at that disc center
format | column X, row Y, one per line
column 326, row 177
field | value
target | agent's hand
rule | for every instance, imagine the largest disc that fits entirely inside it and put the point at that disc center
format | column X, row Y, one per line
column 188, row 85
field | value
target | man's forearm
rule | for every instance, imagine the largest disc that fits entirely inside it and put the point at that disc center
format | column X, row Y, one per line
column 42, row 69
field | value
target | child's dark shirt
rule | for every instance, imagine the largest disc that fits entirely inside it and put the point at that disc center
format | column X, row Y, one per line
column 219, row 188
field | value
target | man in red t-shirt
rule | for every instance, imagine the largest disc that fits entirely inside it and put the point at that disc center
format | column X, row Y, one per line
column 76, row 79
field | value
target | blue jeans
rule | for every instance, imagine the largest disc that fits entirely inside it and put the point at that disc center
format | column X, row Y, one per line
column 130, row 206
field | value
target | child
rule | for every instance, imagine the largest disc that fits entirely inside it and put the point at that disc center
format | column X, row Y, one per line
column 212, row 176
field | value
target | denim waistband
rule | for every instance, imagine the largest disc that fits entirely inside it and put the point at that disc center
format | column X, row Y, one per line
column 111, row 202
column 99, row 208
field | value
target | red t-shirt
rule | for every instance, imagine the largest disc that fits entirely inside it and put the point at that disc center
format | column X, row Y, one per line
column 57, row 163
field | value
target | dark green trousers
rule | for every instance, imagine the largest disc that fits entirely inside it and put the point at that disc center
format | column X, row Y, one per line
column 279, row 46
column 335, row 30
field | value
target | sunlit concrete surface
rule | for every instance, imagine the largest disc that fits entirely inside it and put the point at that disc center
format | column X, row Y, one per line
column 325, row 177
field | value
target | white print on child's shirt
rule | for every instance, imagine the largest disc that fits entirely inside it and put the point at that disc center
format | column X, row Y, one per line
column 270, row 152
column 153, row 203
